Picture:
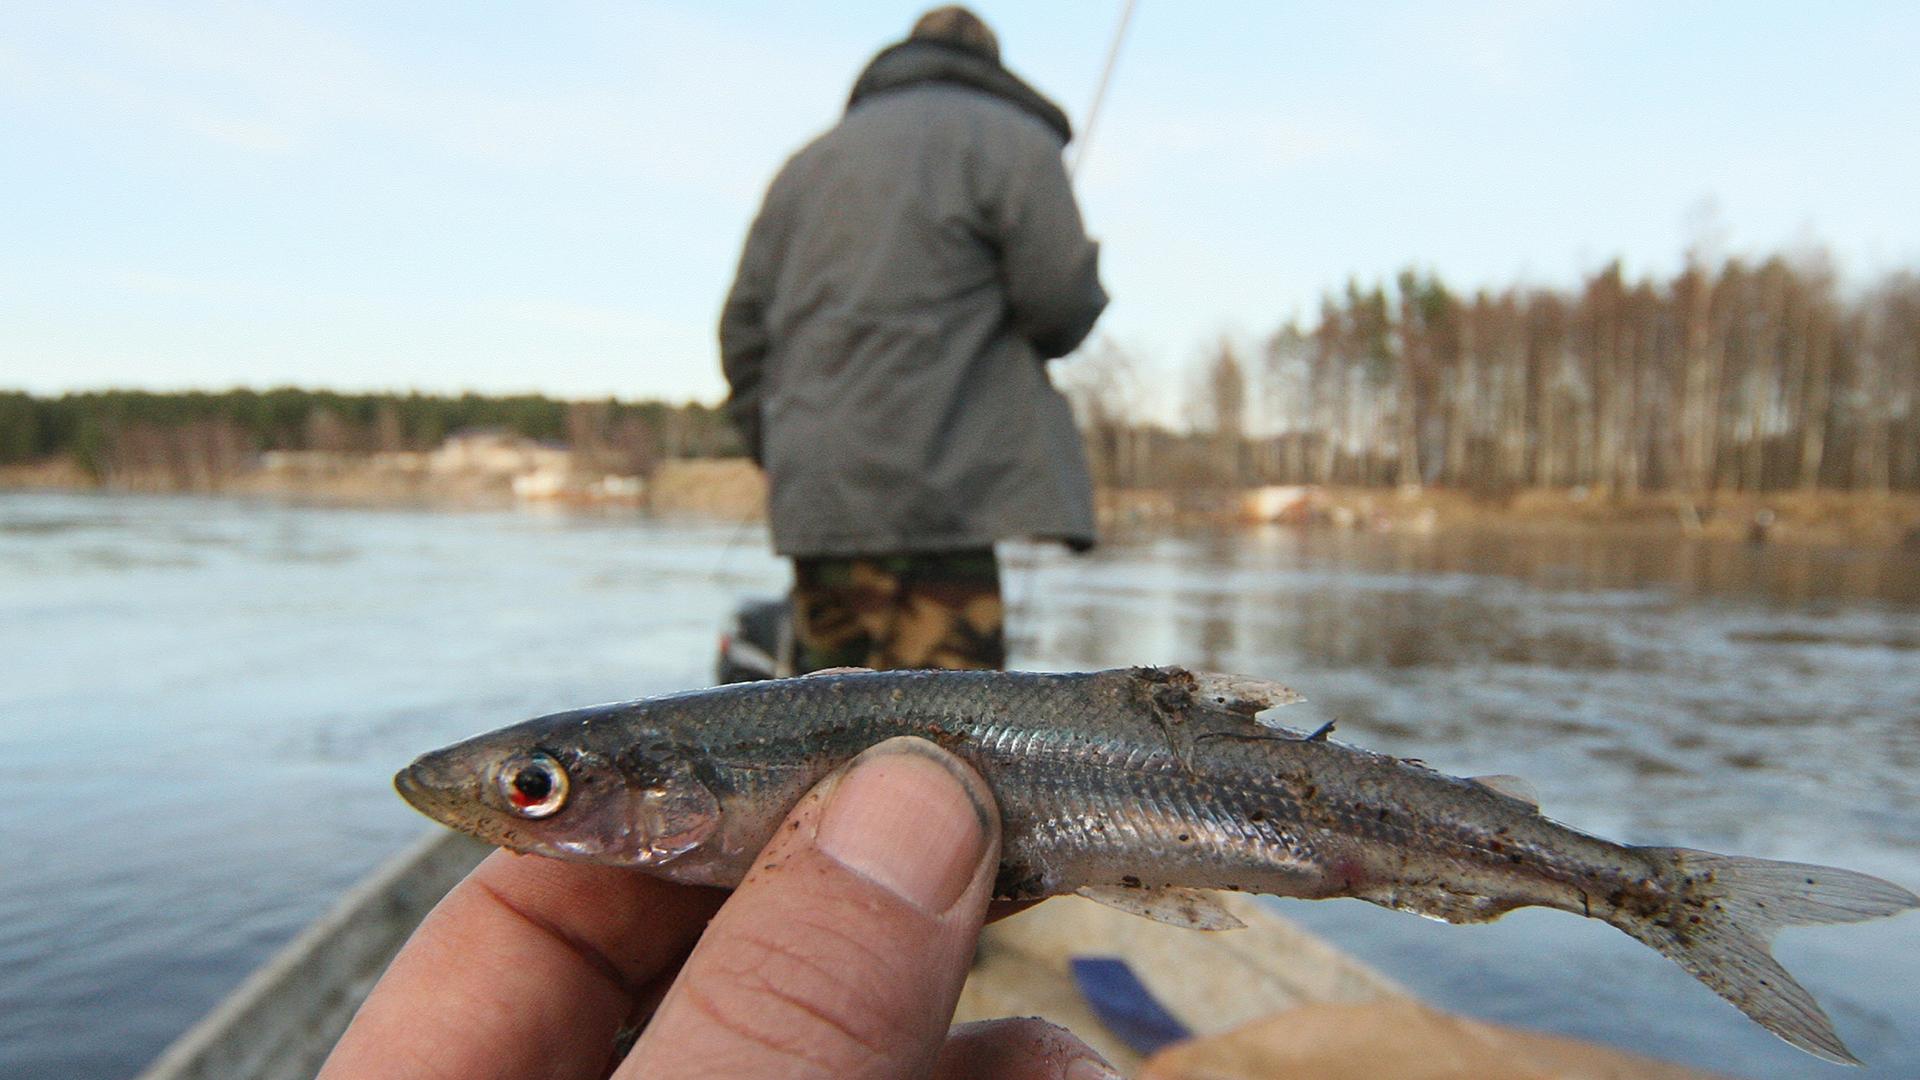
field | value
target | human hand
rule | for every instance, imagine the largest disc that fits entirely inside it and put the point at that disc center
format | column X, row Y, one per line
column 840, row 955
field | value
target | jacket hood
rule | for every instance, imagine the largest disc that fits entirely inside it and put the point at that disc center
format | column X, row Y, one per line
column 918, row 61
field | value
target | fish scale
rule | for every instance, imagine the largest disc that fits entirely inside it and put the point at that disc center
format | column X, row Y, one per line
column 1134, row 786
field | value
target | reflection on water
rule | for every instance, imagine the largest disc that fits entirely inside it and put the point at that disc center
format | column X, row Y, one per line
column 1813, row 637
column 219, row 692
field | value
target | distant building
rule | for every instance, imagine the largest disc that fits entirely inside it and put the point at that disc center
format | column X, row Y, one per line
column 497, row 452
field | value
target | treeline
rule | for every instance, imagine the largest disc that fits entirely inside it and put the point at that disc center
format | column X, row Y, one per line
column 1738, row 376
column 200, row 433
column 1735, row 377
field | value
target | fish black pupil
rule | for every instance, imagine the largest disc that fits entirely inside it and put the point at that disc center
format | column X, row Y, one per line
column 535, row 783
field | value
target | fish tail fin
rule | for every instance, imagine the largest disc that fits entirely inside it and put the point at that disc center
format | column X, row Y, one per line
column 1724, row 916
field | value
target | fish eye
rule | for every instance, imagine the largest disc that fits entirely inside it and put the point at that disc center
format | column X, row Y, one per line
column 534, row 784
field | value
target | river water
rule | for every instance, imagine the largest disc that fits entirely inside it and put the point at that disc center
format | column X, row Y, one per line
column 201, row 702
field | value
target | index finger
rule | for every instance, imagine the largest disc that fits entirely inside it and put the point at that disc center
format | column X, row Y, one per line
column 529, row 967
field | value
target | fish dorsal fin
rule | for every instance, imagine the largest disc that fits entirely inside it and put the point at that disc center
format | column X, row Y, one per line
column 1189, row 909
column 839, row 671
column 1241, row 694
column 1513, row 787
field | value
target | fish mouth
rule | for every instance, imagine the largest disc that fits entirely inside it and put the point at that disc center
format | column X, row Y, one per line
column 441, row 788
column 411, row 788
column 429, row 790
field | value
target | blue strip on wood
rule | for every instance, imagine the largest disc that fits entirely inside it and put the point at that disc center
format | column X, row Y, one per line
column 1125, row 1005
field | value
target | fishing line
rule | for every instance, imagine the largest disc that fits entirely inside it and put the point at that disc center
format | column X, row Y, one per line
column 739, row 536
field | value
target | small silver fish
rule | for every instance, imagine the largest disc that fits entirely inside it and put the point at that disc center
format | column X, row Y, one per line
column 1137, row 787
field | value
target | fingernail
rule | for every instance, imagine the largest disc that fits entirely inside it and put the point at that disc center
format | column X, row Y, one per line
column 903, row 820
column 1091, row 1069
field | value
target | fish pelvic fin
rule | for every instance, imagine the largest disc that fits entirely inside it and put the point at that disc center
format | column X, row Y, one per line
column 1724, row 918
column 1190, row 909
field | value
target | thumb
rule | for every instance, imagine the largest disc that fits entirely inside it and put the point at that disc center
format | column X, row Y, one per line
column 843, row 951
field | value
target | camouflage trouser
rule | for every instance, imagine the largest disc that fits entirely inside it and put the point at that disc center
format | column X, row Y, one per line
column 927, row 610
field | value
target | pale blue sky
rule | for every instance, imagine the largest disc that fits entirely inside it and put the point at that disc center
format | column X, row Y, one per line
column 507, row 196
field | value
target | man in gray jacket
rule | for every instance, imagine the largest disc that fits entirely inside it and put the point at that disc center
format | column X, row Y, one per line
column 908, row 277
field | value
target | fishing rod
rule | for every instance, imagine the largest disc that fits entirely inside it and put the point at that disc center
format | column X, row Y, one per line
column 1021, row 576
column 1100, row 90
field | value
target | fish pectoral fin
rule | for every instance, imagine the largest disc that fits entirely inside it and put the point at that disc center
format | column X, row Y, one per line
column 1513, row 787
column 1189, row 909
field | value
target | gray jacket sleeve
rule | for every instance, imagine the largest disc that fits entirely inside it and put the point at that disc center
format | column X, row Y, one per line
column 1050, row 267
column 744, row 335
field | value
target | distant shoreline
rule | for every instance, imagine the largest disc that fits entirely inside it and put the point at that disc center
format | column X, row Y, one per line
column 733, row 490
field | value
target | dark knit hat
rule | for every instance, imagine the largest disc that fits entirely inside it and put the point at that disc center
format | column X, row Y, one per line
column 955, row 25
